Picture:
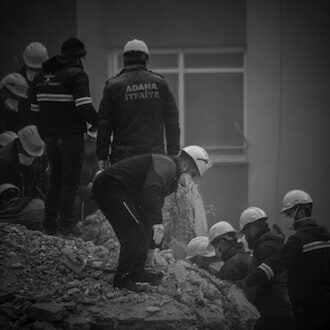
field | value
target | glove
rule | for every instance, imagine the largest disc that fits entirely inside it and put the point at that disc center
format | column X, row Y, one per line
column 158, row 233
column 103, row 164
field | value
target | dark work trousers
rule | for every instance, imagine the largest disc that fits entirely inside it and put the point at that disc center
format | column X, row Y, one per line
column 268, row 321
column 65, row 154
column 132, row 229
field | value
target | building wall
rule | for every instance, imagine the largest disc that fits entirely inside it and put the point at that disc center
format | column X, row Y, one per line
column 288, row 73
column 49, row 22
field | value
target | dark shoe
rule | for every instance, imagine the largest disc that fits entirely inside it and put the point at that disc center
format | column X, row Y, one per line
column 123, row 281
column 150, row 276
column 50, row 227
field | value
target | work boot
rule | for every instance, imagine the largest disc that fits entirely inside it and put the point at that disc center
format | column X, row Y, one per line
column 152, row 277
column 123, row 281
column 50, row 227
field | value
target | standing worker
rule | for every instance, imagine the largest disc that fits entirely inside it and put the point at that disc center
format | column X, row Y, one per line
column 272, row 298
column 60, row 94
column 137, row 105
column 306, row 259
column 131, row 194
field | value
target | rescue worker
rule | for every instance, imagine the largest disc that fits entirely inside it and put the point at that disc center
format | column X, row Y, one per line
column 137, row 105
column 23, row 164
column 200, row 253
column 60, row 95
column 34, row 55
column 131, row 194
column 13, row 88
column 306, row 258
column 223, row 238
column 272, row 298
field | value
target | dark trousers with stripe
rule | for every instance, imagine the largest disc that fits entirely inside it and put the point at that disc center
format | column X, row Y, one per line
column 65, row 156
column 132, row 229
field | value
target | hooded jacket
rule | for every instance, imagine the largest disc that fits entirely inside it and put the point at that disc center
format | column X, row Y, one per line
column 136, row 106
column 306, row 258
column 271, row 296
column 60, row 95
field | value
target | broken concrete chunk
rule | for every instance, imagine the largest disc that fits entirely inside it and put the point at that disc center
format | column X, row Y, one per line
column 50, row 312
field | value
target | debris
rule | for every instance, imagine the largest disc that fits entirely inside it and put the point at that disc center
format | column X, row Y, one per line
column 46, row 312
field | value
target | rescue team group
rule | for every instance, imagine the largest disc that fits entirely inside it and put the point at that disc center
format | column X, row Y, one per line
column 44, row 110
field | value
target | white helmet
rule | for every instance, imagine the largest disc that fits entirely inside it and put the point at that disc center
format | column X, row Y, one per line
column 199, row 246
column 31, row 141
column 200, row 158
column 295, row 197
column 136, row 46
column 7, row 186
column 250, row 215
column 34, row 54
column 6, row 137
column 16, row 84
column 219, row 229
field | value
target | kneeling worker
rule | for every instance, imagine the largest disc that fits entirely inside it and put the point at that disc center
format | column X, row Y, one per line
column 131, row 194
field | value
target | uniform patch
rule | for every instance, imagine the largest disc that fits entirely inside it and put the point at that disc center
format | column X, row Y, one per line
column 141, row 91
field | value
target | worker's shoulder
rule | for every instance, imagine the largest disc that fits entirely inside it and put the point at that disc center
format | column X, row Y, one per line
column 157, row 74
column 163, row 163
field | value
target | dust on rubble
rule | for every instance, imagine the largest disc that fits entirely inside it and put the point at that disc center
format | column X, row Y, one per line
column 47, row 282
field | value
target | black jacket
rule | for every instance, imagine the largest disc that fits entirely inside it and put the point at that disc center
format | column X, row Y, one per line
column 60, row 95
column 306, row 258
column 135, row 107
column 237, row 263
column 271, row 296
column 147, row 178
column 26, row 178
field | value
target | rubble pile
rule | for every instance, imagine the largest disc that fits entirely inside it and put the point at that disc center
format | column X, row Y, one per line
column 47, row 282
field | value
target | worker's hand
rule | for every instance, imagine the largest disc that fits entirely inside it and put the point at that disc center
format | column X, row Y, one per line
column 158, row 233
column 103, row 164
column 241, row 283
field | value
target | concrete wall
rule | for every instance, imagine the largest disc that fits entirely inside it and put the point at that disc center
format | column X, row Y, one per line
column 49, row 22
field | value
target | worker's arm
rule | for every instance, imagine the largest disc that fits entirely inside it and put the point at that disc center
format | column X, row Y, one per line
column 105, row 125
column 276, row 264
column 83, row 101
column 171, row 120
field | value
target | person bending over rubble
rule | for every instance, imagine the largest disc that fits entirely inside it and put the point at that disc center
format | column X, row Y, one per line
column 271, row 299
column 201, row 253
column 22, row 168
column 306, row 259
column 131, row 194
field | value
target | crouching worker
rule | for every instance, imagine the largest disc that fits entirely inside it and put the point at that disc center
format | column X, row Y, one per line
column 306, row 259
column 201, row 253
column 272, row 298
column 131, row 194
column 22, row 170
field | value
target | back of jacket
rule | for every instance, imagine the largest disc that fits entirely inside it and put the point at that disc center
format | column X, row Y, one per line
column 60, row 96
column 271, row 296
column 136, row 106
column 147, row 178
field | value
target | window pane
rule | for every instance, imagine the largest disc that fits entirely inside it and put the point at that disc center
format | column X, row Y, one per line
column 163, row 61
column 213, row 104
column 230, row 60
column 172, row 81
